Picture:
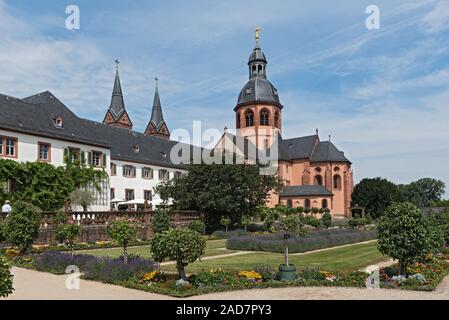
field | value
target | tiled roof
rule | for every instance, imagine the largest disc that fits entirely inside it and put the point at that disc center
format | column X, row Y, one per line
column 36, row 114
column 303, row 191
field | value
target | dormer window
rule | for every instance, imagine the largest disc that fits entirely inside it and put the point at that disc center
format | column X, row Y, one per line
column 164, row 155
column 136, row 149
column 59, row 122
column 249, row 91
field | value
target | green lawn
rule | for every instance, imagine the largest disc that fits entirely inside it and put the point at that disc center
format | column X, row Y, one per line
column 214, row 247
column 348, row 258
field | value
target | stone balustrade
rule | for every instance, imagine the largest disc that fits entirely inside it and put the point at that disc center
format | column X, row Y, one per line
column 94, row 224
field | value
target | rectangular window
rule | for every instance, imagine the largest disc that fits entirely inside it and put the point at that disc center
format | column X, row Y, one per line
column 113, row 169
column 148, row 195
column 129, row 171
column 97, row 158
column 112, row 193
column 163, row 175
column 129, row 193
column 178, row 174
column 147, row 173
column 100, row 195
column 8, row 147
column 44, row 151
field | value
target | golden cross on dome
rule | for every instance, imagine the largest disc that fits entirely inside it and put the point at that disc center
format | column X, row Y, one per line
column 258, row 29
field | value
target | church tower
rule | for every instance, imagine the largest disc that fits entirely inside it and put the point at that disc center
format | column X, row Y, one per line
column 258, row 110
column 116, row 116
column 157, row 126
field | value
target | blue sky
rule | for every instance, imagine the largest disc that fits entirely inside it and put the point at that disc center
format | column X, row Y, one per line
column 382, row 94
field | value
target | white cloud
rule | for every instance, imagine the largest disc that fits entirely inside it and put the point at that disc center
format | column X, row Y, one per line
column 438, row 19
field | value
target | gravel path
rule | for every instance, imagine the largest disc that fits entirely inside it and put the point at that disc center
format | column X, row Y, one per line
column 35, row 285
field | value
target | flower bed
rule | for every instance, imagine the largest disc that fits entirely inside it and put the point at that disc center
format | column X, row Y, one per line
column 318, row 239
column 104, row 269
column 423, row 276
column 220, row 280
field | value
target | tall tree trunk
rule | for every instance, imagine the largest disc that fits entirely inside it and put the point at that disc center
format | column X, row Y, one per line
column 181, row 270
column 125, row 252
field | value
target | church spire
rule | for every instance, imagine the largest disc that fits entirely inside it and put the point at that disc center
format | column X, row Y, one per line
column 157, row 126
column 257, row 61
column 116, row 116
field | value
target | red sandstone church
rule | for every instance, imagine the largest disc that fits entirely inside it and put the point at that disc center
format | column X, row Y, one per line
column 315, row 173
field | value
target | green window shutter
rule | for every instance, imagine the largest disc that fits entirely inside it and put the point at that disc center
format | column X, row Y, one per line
column 143, row 173
column 83, row 157
column 104, row 160
column 134, row 171
column 123, row 171
column 89, row 158
column 66, row 155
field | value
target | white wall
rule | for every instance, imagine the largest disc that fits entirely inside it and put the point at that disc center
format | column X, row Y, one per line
column 138, row 184
column 27, row 151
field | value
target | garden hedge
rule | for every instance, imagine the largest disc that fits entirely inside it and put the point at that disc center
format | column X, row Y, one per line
column 315, row 240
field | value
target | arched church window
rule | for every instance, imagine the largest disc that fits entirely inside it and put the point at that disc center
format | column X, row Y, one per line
column 264, row 118
column 276, row 120
column 324, row 204
column 249, row 115
column 337, row 182
column 307, row 204
column 319, row 180
column 254, row 70
column 259, row 69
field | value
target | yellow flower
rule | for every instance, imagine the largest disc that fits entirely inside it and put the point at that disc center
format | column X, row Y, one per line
column 150, row 276
column 250, row 275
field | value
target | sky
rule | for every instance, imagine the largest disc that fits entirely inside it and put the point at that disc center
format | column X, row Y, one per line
column 382, row 95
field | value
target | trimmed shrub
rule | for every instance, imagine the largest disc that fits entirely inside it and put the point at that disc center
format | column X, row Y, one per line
column 181, row 245
column 160, row 222
column 197, row 226
column 318, row 239
column 326, row 220
column 22, row 227
column 312, row 221
column 123, row 231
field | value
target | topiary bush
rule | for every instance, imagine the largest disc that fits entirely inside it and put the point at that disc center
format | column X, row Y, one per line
column 197, row 226
column 181, row 245
column 6, row 278
column 22, row 227
column 326, row 220
column 405, row 235
column 123, row 231
column 312, row 221
column 160, row 222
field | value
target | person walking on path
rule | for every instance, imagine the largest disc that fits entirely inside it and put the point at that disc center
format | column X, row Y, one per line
column 6, row 207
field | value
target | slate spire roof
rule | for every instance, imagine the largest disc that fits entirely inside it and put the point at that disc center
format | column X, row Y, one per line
column 157, row 117
column 117, row 106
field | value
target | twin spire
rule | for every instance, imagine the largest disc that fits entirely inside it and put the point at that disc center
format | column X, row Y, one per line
column 116, row 116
